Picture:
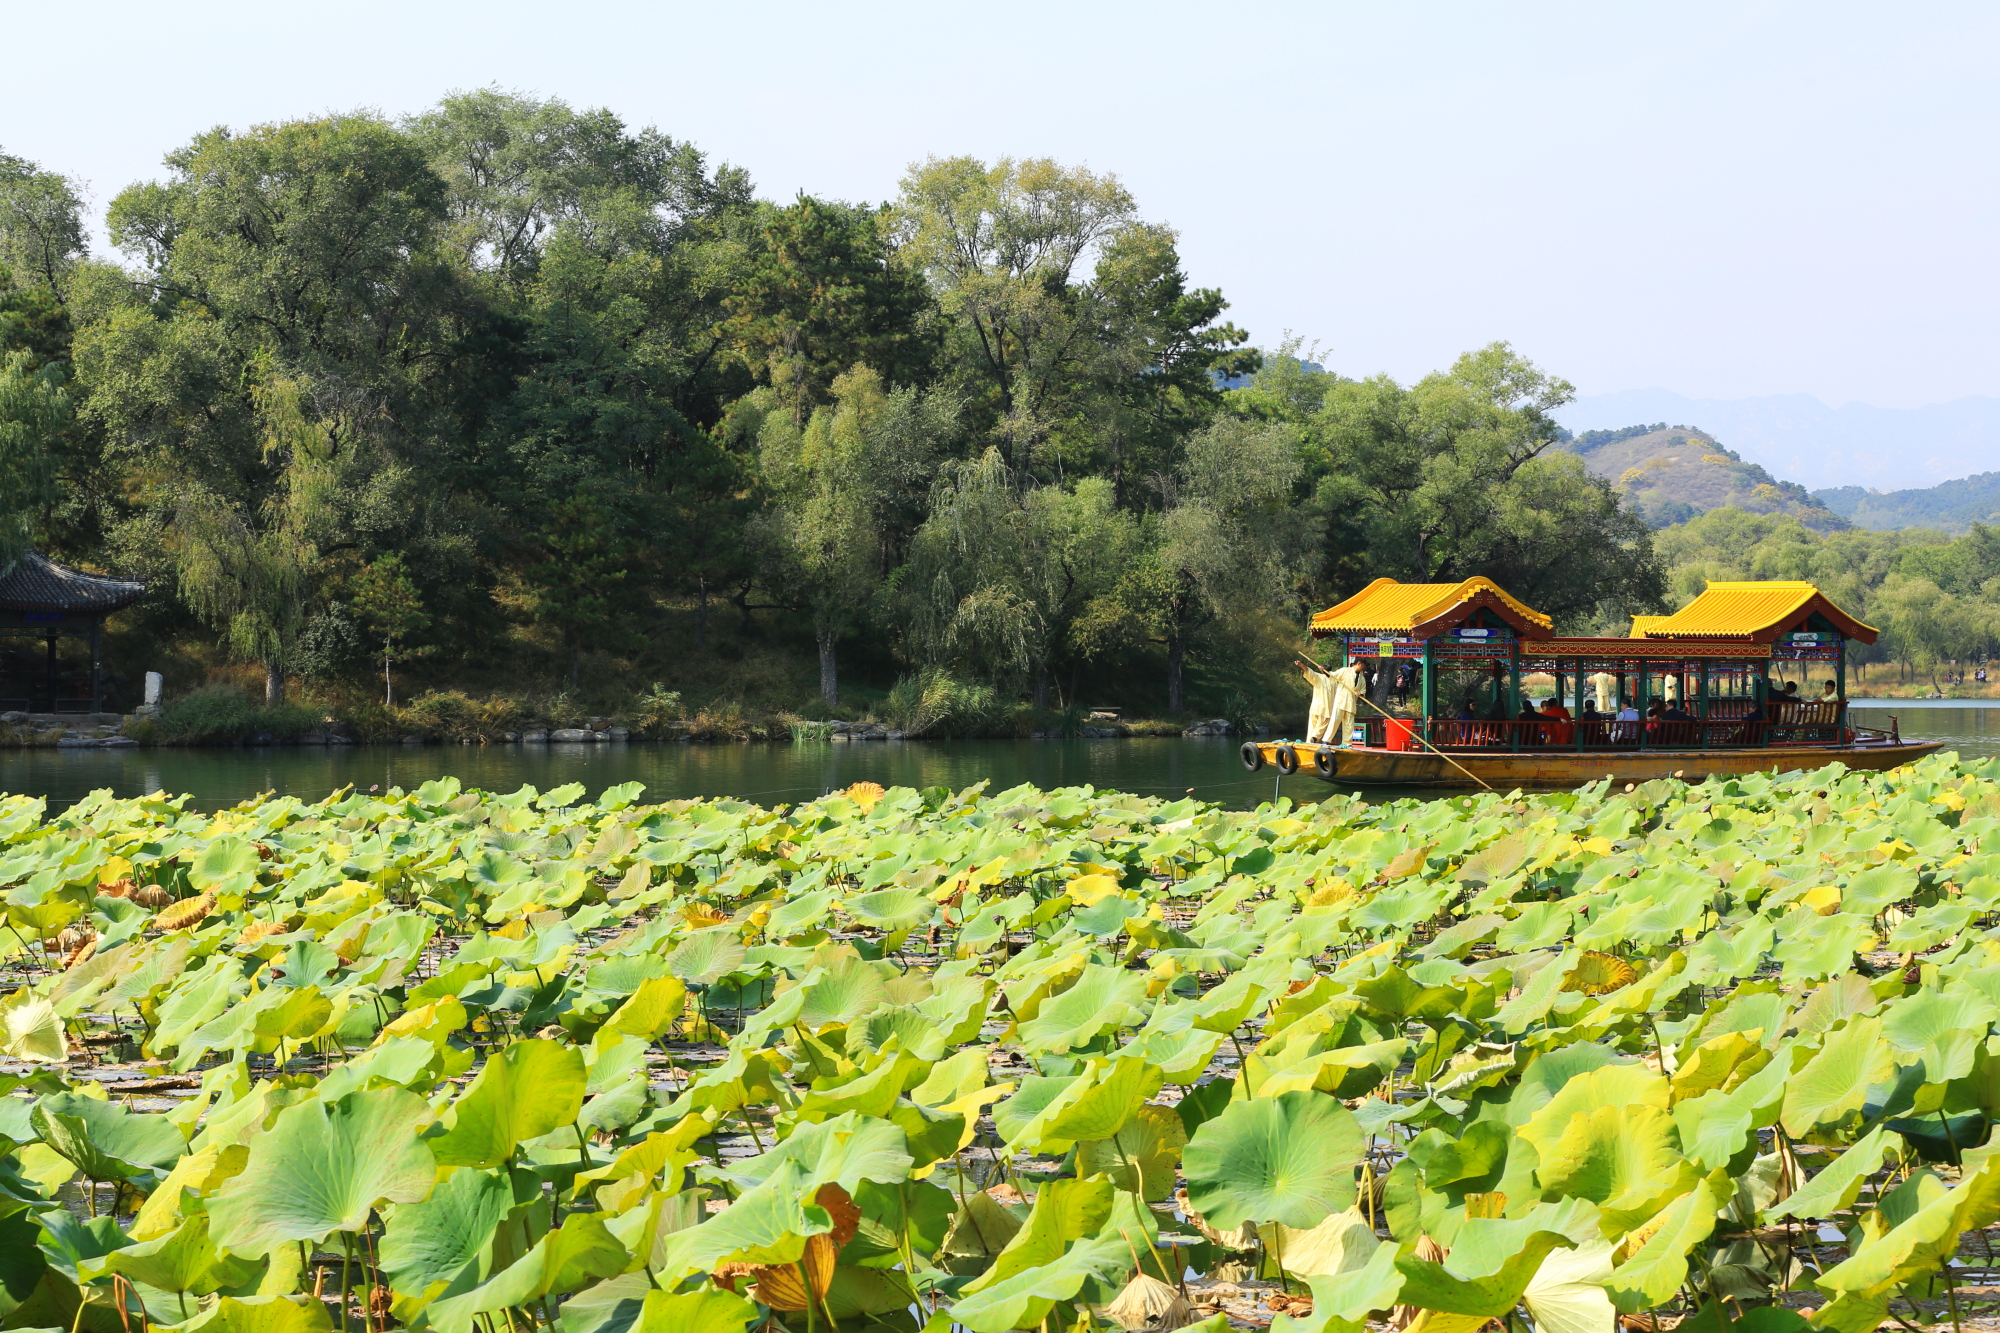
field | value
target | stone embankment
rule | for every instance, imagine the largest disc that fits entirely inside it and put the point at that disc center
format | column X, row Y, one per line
column 68, row 731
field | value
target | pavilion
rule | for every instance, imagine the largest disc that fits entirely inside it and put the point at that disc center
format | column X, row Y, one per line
column 40, row 599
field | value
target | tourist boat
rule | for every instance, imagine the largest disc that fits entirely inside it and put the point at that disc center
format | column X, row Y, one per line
column 1466, row 648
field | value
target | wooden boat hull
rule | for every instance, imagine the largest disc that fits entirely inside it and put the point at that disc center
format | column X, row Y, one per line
column 1364, row 766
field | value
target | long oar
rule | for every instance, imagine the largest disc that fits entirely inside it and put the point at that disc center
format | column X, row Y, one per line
column 1414, row 735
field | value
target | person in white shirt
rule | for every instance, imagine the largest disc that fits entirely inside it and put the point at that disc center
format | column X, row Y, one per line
column 1628, row 723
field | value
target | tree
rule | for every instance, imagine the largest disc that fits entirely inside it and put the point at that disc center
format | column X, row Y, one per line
column 1453, row 477
column 584, row 581
column 1225, row 547
column 41, row 225
column 387, row 602
column 1000, row 572
column 34, row 408
column 1001, row 246
column 825, row 295
column 280, row 371
column 827, row 533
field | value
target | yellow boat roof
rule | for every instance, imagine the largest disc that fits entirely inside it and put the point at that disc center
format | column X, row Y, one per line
column 1386, row 605
column 1749, row 611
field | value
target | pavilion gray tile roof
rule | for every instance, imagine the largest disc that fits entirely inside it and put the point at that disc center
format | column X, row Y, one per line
column 37, row 583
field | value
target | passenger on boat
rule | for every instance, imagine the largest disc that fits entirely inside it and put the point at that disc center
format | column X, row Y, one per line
column 1530, row 735
column 1561, row 729
column 1828, row 693
column 1628, row 724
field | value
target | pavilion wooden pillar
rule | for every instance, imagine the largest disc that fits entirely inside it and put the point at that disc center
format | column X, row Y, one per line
column 96, row 667
column 1427, row 698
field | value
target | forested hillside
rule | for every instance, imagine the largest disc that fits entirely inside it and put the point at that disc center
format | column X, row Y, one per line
column 1952, row 505
column 1936, row 598
column 549, row 412
column 1671, row 474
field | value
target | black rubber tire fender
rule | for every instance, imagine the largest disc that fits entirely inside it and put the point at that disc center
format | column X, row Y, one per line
column 1287, row 759
column 1325, row 761
column 1251, row 755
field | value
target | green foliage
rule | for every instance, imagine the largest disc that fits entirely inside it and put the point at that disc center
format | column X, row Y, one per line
column 535, row 393
column 630, row 1063
column 220, row 714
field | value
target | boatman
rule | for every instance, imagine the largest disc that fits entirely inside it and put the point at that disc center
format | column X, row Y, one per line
column 1348, row 683
column 1322, row 702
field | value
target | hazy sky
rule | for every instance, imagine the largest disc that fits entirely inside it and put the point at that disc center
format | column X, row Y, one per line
column 1724, row 199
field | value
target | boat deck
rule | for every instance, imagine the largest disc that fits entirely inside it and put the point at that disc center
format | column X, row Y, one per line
column 1378, row 766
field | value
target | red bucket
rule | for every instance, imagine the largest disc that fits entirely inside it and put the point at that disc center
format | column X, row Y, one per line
column 1399, row 733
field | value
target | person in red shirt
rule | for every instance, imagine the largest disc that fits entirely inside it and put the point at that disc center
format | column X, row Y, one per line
column 1561, row 730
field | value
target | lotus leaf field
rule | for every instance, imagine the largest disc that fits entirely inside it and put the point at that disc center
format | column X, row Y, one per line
column 1673, row 1055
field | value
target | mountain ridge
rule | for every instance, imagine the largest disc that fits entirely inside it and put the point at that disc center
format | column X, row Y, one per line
column 1799, row 437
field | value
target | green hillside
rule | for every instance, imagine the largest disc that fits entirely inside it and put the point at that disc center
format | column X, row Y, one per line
column 1674, row 473
column 1952, row 506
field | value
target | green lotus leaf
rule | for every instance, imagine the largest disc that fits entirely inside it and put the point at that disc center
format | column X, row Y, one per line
column 320, row 1169
column 1346, row 1302
column 1396, row 994
column 845, row 1151
column 107, row 1142
column 1651, row 1275
column 1567, row 1293
column 1828, row 1093
column 703, row 1310
column 261, row 1314
column 1945, row 1028
column 579, row 1251
column 1622, row 1158
column 1590, row 1091
column 1065, row 1212
column 1486, row 1272
column 1095, row 1105
column 184, row 1261
column 439, row 1238
column 1287, row 1159
column 891, row 909
column 524, row 1092
column 767, row 1224
column 1915, row 1246
column 847, row 990
column 706, row 956
column 1835, row 1186
column 1100, row 999
column 222, row 860
column 30, row 1029
column 1142, row 1156
column 650, row 1008
column 1024, row 1299
column 1344, row 1243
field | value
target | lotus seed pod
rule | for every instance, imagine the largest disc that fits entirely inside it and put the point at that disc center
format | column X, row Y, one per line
column 152, row 896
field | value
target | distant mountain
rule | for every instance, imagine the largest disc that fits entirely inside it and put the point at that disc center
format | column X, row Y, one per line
column 1672, row 473
column 1797, row 436
column 1952, row 506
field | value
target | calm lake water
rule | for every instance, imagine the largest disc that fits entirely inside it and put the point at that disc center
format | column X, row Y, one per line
column 768, row 774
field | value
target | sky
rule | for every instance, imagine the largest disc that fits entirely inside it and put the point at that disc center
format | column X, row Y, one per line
column 1725, row 200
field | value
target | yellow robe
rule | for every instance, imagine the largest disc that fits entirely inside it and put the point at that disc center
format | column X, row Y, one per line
column 1322, row 703
column 1348, row 683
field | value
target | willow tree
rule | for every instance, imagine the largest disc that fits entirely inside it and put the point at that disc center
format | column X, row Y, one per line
column 1002, row 569
column 1226, row 546
column 34, row 408
column 836, row 495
